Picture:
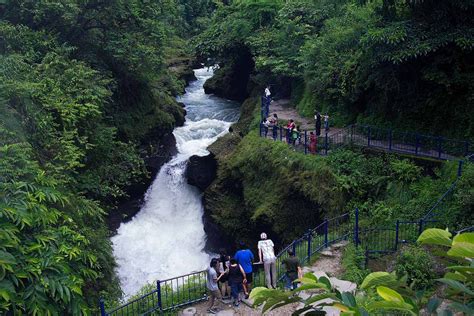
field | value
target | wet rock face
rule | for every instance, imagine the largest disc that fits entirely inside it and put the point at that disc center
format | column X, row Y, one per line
column 201, row 171
column 129, row 206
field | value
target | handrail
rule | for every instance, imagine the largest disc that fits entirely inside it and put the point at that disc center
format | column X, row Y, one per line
column 422, row 145
column 305, row 241
column 182, row 276
column 314, row 235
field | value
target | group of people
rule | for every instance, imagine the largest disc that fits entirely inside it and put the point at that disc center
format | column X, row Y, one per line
column 293, row 131
column 233, row 276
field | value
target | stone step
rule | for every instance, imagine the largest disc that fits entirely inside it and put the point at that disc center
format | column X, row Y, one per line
column 327, row 253
column 340, row 244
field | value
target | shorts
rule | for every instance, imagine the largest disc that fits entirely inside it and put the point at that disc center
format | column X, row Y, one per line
column 215, row 294
column 249, row 277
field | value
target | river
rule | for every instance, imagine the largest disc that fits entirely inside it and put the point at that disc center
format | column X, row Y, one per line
column 166, row 238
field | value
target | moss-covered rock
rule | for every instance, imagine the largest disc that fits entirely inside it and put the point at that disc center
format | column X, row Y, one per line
column 263, row 185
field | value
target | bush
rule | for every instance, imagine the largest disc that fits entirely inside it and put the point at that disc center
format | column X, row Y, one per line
column 417, row 264
column 353, row 261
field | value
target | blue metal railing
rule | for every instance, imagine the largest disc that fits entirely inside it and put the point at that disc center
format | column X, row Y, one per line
column 180, row 291
column 387, row 239
column 177, row 292
column 374, row 137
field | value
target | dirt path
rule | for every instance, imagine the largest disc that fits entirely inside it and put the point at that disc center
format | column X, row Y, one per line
column 285, row 111
column 330, row 261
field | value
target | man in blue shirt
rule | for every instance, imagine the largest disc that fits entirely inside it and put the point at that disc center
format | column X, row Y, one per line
column 244, row 257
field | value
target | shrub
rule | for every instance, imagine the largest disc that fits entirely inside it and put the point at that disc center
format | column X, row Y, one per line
column 353, row 261
column 417, row 264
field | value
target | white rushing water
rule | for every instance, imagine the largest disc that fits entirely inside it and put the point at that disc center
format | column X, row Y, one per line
column 166, row 238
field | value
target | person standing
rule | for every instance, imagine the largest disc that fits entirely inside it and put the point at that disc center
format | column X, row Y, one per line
column 268, row 94
column 326, row 123
column 236, row 280
column 293, row 270
column 274, row 122
column 245, row 258
column 212, row 280
column 224, row 262
column 267, row 256
column 268, row 99
column 289, row 129
column 317, row 117
column 265, row 125
column 313, row 143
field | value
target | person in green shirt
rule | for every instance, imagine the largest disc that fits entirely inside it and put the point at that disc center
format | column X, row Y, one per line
column 293, row 270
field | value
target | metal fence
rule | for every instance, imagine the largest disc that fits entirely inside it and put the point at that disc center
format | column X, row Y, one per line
column 177, row 292
column 369, row 136
column 173, row 293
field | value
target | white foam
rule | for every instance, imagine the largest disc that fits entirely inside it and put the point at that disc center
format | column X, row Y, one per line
column 166, row 238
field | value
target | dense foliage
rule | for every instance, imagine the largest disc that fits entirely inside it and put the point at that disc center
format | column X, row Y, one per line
column 417, row 265
column 382, row 293
column 392, row 62
column 86, row 93
column 292, row 191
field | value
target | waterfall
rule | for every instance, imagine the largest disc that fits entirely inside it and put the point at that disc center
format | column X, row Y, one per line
column 166, row 238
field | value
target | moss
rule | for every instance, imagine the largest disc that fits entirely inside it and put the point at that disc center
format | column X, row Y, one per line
column 265, row 185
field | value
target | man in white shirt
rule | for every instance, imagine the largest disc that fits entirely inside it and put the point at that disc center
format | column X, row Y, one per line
column 267, row 256
column 267, row 92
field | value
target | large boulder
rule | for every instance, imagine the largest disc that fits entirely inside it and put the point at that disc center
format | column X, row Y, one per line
column 201, row 171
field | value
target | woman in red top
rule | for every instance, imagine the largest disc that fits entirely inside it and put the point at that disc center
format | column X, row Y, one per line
column 313, row 142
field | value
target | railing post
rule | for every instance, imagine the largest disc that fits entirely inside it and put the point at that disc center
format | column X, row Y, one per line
column 305, row 142
column 368, row 135
column 326, row 233
column 158, row 293
column 440, row 147
column 102, row 307
column 281, row 133
column 396, row 234
column 309, row 245
column 390, row 136
column 420, row 227
column 460, row 168
column 356, row 227
column 326, row 143
column 417, row 143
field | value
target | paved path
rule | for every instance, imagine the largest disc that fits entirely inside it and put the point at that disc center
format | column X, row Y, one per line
column 427, row 145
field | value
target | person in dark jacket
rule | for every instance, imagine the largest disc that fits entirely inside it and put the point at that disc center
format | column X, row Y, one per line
column 237, row 278
column 317, row 117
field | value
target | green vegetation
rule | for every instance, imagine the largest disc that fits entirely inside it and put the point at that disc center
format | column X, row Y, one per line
column 417, row 265
column 292, row 192
column 394, row 63
column 86, row 93
column 353, row 262
column 384, row 293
